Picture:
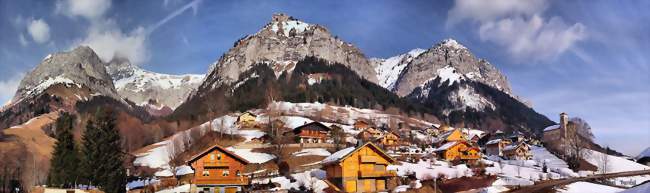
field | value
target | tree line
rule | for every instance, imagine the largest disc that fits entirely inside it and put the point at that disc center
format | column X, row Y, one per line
column 96, row 162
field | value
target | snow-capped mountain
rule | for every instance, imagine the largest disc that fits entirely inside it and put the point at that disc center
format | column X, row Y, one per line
column 142, row 86
column 281, row 44
column 79, row 67
column 388, row 70
column 448, row 60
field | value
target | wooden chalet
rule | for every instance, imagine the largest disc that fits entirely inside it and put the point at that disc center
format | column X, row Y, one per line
column 359, row 169
column 246, row 119
column 519, row 151
column 218, row 170
column 389, row 140
column 458, row 151
column 496, row 146
column 361, row 124
column 314, row 132
column 449, row 136
column 369, row 134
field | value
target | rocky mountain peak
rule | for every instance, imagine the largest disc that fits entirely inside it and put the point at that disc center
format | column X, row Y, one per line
column 281, row 44
column 451, row 43
column 80, row 66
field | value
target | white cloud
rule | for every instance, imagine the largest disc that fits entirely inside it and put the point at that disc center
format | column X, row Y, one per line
column 519, row 27
column 39, row 30
column 23, row 41
column 534, row 38
column 9, row 87
column 483, row 11
column 109, row 41
column 89, row 9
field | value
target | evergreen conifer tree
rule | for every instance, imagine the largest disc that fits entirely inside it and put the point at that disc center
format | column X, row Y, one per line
column 103, row 158
column 64, row 163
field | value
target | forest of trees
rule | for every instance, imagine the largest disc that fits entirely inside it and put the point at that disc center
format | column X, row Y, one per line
column 97, row 161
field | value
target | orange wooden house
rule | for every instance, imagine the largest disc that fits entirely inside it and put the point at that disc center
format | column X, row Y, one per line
column 314, row 132
column 389, row 140
column 458, row 151
column 360, row 169
column 218, row 170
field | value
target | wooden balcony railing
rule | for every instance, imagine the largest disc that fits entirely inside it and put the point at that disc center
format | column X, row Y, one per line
column 223, row 180
column 371, row 174
column 215, row 164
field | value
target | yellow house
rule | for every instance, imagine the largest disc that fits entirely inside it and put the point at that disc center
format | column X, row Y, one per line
column 360, row 169
column 453, row 135
column 458, row 151
column 246, row 119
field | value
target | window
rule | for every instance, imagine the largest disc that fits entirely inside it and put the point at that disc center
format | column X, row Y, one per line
column 211, row 156
column 219, row 156
column 225, row 173
column 206, row 173
column 238, row 173
column 380, row 167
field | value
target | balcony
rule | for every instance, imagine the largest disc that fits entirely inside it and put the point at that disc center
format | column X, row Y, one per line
column 216, row 164
column 220, row 180
column 372, row 174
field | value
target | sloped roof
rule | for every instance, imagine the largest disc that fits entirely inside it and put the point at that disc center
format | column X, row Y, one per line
column 341, row 155
column 210, row 149
column 297, row 129
column 552, row 127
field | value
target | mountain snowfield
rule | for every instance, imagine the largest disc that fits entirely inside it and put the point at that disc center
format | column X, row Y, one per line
column 140, row 86
column 388, row 70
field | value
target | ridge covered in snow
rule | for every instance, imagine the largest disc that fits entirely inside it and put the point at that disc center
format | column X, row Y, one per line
column 388, row 70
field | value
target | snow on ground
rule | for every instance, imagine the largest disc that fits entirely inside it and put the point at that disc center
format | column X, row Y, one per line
column 49, row 82
column 312, row 180
column 643, row 188
column 140, row 183
column 582, row 187
column 312, row 151
column 617, row 164
column 424, row 170
column 140, row 78
column 182, row 188
column 252, row 157
column 250, row 134
column 541, row 155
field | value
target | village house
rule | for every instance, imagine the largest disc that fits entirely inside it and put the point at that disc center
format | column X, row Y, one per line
column 246, row 119
column 361, row 124
column 451, row 135
column 369, row 134
column 389, row 140
column 496, row 146
column 358, row 169
column 314, row 132
column 218, row 170
column 519, row 151
column 459, row 151
column 555, row 134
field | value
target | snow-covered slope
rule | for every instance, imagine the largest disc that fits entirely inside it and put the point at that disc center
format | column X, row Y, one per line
column 140, row 86
column 388, row 70
column 610, row 164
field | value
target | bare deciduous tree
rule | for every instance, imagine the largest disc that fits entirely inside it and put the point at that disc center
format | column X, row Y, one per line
column 603, row 162
column 174, row 150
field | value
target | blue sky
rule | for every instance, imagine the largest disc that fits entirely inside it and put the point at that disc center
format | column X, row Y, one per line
column 587, row 58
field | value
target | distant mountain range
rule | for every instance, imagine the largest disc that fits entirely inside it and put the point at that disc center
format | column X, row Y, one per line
column 291, row 60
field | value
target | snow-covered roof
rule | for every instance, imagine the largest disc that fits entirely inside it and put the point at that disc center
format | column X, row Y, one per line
column 338, row 155
column 494, row 141
column 552, row 127
column 446, row 146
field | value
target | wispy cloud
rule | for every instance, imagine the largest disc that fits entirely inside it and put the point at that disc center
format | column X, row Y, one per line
column 194, row 5
column 8, row 87
column 39, row 30
column 520, row 27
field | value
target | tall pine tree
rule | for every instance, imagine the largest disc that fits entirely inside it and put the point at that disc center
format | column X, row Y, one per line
column 64, row 163
column 102, row 154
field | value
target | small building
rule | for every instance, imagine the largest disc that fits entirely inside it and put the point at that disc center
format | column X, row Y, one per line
column 389, row 140
column 246, row 119
column 358, row 169
column 556, row 133
column 314, row 132
column 496, row 146
column 458, row 151
column 452, row 135
column 219, row 170
column 369, row 134
column 519, row 151
column 361, row 124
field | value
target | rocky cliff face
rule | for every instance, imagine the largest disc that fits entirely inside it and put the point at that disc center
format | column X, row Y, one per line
column 281, row 44
column 451, row 61
column 142, row 86
column 79, row 67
